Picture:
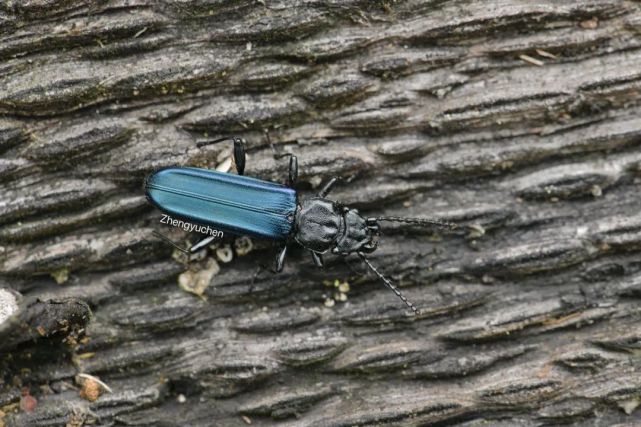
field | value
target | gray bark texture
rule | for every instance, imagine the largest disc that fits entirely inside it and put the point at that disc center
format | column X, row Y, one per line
column 518, row 119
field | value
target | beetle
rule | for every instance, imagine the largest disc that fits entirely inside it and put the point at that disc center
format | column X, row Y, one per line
column 258, row 208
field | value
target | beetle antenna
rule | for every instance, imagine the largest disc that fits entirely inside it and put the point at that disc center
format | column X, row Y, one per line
column 425, row 222
column 389, row 284
column 215, row 141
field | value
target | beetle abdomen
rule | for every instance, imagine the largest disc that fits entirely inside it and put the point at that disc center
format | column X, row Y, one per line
column 234, row 203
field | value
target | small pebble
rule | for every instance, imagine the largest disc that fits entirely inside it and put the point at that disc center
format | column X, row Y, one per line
column 198, row 256
column 181, row 398
column 196, row 280
column 487, row 279
column 243, row 245
column 590, row 24
column 315, row 181
column 224, row 254
column 90, row 390
column 60, row 276
column 225, row 165
column 343, row 287
column 476, row 230
column 28, row 403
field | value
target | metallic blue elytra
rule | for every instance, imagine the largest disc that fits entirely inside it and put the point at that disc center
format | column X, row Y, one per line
column 228, row 202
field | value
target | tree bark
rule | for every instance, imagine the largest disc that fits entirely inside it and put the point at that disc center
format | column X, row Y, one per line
column 517, row 119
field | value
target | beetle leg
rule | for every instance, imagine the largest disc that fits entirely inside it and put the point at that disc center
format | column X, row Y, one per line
column 328, row 187
column 318, row 259
column 293, row 171
column 239, row 155
column 204, row 242
column 280, row 259
column 265, row 267
column 292, row 177
column 171, row 242
column 193, row 249
column 239, row 151
column 251, row 284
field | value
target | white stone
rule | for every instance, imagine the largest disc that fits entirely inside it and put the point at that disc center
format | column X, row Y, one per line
column 8, row 305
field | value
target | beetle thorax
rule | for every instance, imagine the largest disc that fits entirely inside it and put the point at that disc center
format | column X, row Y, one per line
column 323, row 225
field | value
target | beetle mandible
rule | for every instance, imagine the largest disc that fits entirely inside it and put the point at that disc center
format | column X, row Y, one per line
column 249, row 206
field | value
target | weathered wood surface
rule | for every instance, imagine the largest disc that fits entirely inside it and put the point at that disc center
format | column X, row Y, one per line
column 427, row 108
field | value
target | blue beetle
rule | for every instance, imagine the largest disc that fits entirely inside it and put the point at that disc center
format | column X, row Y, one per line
column 250, row 206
